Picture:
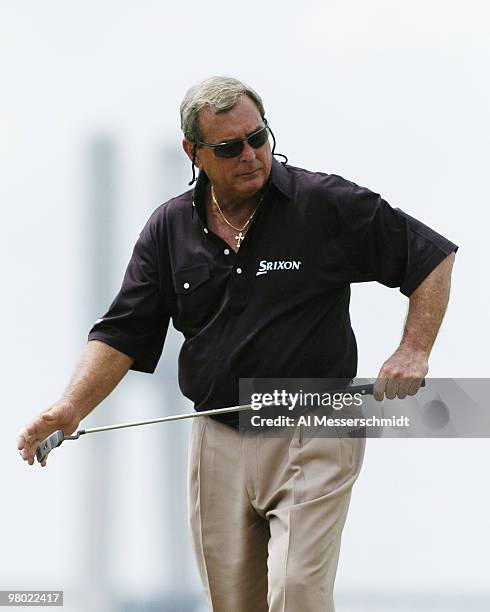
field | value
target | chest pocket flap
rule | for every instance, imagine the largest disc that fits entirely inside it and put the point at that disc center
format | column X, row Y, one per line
column 190, row 278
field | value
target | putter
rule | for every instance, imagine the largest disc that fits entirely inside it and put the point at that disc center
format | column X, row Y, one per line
column 56, row 438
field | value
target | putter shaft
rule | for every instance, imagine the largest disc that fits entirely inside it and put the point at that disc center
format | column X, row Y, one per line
column 56, row 438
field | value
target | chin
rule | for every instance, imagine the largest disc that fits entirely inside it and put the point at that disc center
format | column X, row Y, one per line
column 251, row 184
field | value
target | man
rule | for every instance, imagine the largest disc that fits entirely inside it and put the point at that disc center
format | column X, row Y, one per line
column 254, row 267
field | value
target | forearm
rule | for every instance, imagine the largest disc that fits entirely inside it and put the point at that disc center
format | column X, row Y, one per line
column 427, row 306
column 97, row 373
column 402, row 373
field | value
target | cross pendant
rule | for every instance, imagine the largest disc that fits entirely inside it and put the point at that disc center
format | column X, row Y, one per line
column 239, row 239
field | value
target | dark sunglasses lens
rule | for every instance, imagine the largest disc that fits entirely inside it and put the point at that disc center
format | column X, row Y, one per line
column 259, row 139
column 230, row 149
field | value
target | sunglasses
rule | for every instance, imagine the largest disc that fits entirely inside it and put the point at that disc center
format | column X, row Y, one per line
column 233, row 148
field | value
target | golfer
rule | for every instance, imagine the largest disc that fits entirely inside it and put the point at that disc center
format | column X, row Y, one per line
column 254, row 265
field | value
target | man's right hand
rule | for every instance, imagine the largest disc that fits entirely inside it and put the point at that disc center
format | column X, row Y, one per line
column 61, row 415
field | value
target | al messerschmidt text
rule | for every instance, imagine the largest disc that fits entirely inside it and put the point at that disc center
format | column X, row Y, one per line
column 324, row 421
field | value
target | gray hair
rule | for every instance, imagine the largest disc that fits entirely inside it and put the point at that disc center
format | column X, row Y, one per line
column 218, row 93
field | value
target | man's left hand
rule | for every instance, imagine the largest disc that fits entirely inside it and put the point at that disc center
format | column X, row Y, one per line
column 401, row 374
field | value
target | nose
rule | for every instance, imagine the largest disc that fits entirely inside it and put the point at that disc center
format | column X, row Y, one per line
column 248, row 153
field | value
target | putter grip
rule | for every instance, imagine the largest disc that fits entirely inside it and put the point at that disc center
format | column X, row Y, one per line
column 47, row 445
column 369, row 388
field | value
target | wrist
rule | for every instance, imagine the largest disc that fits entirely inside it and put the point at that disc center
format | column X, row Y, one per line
column 73, row 407
column 414, row 350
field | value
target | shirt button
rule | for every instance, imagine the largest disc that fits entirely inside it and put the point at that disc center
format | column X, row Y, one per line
column 186, row 285
column 206, row 230
column 238, row 270
column 226, row 251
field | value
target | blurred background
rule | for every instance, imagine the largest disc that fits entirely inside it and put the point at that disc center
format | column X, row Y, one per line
column 392, row 95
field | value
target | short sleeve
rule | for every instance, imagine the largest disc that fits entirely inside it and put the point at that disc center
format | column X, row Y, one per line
column 388, row 245
column 137, row 320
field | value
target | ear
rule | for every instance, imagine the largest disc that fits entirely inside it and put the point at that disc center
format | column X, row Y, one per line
column 188, row 147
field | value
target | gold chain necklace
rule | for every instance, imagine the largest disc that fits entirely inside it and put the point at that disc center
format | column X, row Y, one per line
column 240, row 230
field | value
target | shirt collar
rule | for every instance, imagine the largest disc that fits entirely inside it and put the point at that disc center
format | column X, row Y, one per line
column 280, row 177
column 198, row 196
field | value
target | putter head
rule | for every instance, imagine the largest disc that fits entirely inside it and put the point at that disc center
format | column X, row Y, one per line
column 47, row 445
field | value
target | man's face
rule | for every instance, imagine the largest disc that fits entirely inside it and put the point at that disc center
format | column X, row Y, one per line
column 236, row 177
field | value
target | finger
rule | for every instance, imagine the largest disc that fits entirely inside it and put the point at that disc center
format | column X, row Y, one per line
column 30, row 435
column 392, row 388
column 403, row 387
column 26, row 451
column 23, row 437
column 39, row 429
column 25, row 454
column 414, row 386
column 30, row 450
column 379, row 388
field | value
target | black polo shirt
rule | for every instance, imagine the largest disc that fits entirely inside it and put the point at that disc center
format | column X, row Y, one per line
column 278, row 308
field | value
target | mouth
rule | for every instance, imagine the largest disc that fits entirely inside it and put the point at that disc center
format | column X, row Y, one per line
column 250, row 173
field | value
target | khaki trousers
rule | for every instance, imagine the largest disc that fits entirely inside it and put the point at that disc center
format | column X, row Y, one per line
column 266, row 515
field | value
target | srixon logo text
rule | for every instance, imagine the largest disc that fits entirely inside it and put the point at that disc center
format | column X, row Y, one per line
column 269, row 266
